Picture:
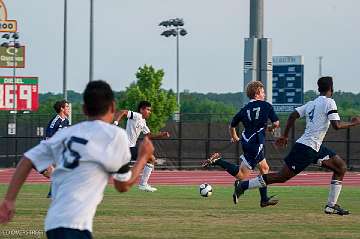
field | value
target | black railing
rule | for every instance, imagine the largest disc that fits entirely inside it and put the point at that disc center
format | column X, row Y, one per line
column 192, row 140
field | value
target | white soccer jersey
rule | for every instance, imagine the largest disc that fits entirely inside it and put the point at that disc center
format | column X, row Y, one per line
column 85, row 156
column 134, row 126
column 318, row 114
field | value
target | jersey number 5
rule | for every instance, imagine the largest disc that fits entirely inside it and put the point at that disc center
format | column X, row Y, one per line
column 257, row 109
column 71, row 157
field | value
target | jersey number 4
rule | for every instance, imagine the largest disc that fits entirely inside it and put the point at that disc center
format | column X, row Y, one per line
column 70, row 156
column 257, row 109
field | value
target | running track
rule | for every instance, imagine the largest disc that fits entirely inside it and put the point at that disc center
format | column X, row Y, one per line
column 161, row 177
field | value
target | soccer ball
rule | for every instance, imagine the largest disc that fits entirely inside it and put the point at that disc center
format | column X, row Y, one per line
column 205, row 190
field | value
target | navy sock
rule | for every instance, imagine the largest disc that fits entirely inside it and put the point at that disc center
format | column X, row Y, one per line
column 232, row 169
column 245, row 185
column 263, row 194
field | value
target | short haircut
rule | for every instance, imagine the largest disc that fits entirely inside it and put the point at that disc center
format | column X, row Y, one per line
column 98, row 97
column 60, row 104
column 143, row 104
column 325, row 84
column 253, row 88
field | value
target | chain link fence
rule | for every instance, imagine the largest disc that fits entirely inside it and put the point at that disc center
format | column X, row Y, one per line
column 193, row 138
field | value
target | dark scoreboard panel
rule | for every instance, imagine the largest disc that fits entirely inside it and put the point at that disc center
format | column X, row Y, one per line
column 288, row 86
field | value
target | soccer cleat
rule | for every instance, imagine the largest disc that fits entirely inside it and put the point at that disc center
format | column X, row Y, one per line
column 270, row 202
column 238, row 191
column 336, row 209
column 210, row 161
column 147, row 188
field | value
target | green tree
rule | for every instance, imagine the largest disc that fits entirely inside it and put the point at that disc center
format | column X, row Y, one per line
column 148, row 87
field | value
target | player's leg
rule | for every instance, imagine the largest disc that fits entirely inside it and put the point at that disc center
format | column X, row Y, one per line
column 148, row 169
column 298, row 159
column 216, row 159
column 265, row 200
column 329, row 160
column 143, row 187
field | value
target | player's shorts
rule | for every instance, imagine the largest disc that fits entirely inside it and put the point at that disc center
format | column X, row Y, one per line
column 134, row 153
column 253, row 153
column 301, row 156
column 68, row 233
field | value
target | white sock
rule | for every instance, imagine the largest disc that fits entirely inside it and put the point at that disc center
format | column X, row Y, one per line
column 257, row 182
column 335, row 189
column 146, row 174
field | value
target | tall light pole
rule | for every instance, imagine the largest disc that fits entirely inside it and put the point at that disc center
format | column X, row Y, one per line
column 15, row 46
column 175, row 28
column 320, row 65
column 64, row 52
column 91, row 43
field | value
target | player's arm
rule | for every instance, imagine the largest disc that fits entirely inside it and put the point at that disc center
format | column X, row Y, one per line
column 337, row 124
column 7, row 207
column 160, row 135
column 282, row 141
column 273, row 126
column 119, row 115
column 52, row 129
column 232, row 127
column 275, row 123
column 124, row 181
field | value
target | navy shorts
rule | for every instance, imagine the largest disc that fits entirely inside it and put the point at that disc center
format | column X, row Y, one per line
column 134, row 153
column 68, row 233
column 301, row 156
column 253, row 153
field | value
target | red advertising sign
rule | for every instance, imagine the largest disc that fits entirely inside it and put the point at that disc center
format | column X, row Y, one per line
column 26, row 96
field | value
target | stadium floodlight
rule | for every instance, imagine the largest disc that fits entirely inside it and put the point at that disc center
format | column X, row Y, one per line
column 6, row 36
column 165, row 23
column 176, row 31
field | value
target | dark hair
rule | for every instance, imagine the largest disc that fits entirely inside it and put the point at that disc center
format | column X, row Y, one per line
column 60, row 104
column 143, row 104
column 98, row 97
column 325, row 84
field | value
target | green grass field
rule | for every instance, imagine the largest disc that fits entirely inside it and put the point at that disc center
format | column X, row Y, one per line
column 180, row 212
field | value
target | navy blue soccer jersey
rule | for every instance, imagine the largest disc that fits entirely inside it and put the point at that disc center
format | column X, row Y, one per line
column 254, row 117
column 55, row 124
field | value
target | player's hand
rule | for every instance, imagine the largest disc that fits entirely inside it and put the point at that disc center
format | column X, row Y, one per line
column 117, row 116
column 234, row 139
column 281, row 142
column 7, row 211
column 48, row 172
column 355, row 120
column 165, row 134
column 270, row 129
column 146, row 148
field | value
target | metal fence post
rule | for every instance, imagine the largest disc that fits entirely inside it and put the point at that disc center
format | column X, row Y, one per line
column 348, row 147
column 180, row 141
column 207, row 144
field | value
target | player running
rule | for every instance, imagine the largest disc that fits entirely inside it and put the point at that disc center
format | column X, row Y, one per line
column 308, row 149
column 86, row 155
column 254, row 116
column 135, row 125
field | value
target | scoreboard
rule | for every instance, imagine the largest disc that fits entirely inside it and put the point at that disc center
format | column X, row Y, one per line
column 288, row 83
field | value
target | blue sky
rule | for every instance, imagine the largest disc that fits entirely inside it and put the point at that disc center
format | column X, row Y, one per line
column 127, row 36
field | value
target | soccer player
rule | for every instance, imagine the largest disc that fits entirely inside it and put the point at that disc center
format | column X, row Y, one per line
column 86, row 154
column 308, row 149
column 254, row 116
column 59, row 121
column 135, row 125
